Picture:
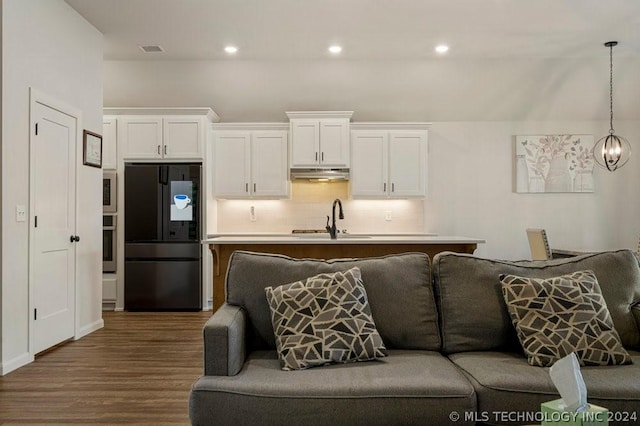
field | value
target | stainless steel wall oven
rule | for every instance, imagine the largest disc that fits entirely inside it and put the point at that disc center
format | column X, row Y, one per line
column 109, row 194
column 109, row 242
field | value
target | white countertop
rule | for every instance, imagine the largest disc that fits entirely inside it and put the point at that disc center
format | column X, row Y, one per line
column 342, row 239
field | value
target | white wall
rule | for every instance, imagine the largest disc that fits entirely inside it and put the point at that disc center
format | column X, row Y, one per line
column 476, row 107
column 441, row 89
column 48, row 46
column 471, row 167
column 471, row 191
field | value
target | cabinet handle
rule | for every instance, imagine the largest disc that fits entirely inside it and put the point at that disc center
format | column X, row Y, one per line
column 316, row 155
column 246, row 187
column 254, row 187
column 393, row 187
column 165, row 150
column 385, row 187
column 322, row 158
column 158, row 149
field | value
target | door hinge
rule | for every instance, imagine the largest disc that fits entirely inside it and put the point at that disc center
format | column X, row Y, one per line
column 36, row 224
column 36, row 129
column 35, row 314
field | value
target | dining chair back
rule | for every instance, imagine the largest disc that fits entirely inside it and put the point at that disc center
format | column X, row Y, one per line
column 538, row 244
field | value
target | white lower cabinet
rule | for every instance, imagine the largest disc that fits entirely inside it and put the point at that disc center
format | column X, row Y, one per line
column 250, row 163
column 388, row 163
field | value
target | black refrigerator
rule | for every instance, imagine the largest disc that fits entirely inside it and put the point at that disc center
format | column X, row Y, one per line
column 162, row 265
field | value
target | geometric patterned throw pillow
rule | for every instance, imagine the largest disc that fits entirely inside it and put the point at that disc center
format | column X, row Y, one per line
column 323, row 319
column 556, row 316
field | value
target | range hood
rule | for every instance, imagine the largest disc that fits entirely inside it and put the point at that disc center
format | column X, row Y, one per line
column 320, row 175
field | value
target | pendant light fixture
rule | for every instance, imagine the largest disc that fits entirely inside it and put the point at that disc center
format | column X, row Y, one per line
column 612, row 151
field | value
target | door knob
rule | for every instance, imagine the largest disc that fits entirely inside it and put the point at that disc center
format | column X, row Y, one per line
column 74, row 238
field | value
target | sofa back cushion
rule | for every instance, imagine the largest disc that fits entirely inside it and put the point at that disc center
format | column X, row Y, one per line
column 473, row 313
column 398, row 287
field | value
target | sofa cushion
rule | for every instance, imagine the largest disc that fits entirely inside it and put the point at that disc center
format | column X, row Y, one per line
column 557, row 316
column 472, row 309
column 398, row 288
column 323, row 319
column 407, row 387
column 505, row 383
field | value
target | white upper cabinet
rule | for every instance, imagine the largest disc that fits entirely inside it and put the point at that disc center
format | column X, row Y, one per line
column 269, row 164
column 175, row 134
column 250, row 163
column 231, row 163
column 141, row 138
column 109, row 143
column 158, row 138
column 408, row 163
column 184, row 138
column 305, row 143
column 389, row 163
column 319, row 139
column 369, row 163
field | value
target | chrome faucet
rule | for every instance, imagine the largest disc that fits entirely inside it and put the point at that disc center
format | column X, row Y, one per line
column 333, row 231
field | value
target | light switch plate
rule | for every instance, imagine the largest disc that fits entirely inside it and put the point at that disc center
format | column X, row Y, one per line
column 21, row 213
column 252, row 214
column 388, row 215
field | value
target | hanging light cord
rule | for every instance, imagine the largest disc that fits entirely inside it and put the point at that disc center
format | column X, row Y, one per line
column 611, row 131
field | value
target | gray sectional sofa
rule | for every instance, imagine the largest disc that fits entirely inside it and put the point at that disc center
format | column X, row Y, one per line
column 454, row 357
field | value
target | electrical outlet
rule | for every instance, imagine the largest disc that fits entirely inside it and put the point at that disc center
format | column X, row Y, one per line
column 388, row 216
column 21, row 213
column 252, row 213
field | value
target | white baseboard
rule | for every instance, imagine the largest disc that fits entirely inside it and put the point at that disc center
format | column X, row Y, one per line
column 90, row 328
column 15, row 363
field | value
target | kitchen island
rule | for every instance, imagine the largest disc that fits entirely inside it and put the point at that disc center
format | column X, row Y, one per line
column 320, row 246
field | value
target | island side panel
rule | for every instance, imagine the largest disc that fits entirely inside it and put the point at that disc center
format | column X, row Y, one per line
column 222, row 254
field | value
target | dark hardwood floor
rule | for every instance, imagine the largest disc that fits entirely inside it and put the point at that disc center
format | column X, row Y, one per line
column 138, row 369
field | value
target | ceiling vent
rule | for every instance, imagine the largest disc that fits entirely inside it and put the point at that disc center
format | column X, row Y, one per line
column 152, row 48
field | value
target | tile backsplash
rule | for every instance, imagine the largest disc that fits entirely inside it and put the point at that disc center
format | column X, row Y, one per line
column 309, row 206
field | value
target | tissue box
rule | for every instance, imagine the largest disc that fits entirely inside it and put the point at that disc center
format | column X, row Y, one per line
column 553, row 414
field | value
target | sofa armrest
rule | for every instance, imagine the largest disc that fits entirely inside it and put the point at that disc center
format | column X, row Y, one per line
column 224, row 341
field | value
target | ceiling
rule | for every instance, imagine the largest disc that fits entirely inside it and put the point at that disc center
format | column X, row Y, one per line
column 367, row 29
column 509, row 59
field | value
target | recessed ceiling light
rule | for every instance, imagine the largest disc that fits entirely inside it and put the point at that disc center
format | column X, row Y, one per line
column 442, row 48
column 231, row 49
column 335, row 49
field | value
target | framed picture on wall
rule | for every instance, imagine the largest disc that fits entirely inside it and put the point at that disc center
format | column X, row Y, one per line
column 92, row 149
column 554, row 163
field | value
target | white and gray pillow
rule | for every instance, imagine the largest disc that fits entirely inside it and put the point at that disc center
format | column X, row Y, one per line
column 557, row 316
column 323, row 319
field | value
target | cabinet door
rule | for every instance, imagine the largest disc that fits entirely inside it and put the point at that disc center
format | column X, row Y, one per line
column 369, row 164
column 109, row 143
column 141, row 138
column 269, row 164
column 407, row 163
column 231, row 164
column 334, row 142
column 183, row 138
column 305, row 143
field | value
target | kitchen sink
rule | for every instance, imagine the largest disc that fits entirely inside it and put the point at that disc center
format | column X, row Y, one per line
column 326, row 236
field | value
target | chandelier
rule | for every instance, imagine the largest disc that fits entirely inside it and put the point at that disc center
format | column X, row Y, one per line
column 612, row 151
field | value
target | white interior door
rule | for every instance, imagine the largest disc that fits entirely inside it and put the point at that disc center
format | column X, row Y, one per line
column 53, row 188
